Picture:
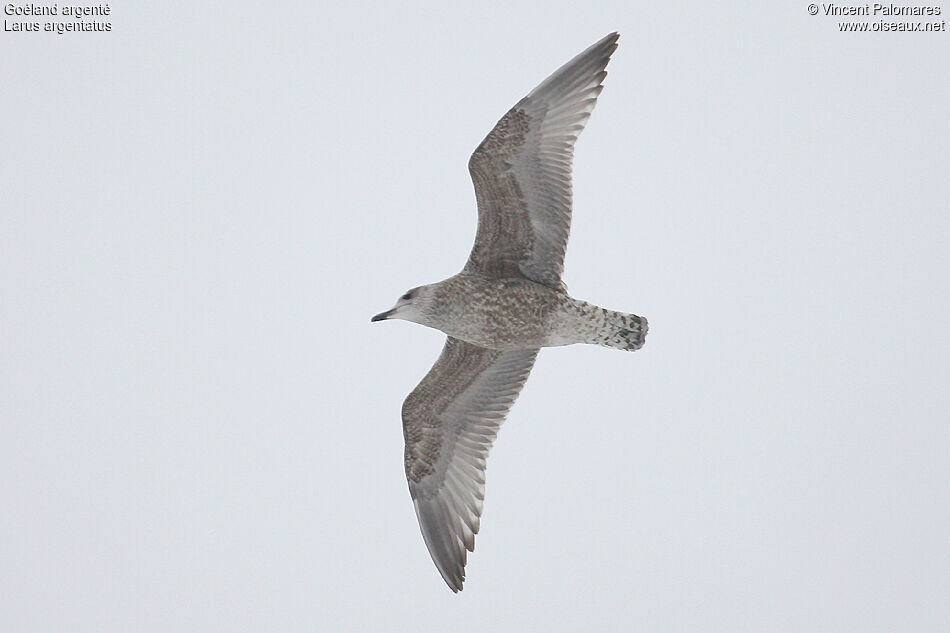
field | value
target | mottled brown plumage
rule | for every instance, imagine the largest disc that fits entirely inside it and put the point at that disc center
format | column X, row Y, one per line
column 507, row 303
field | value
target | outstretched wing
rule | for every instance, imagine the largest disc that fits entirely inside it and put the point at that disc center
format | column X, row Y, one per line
column 522, row 173
column 450, row 421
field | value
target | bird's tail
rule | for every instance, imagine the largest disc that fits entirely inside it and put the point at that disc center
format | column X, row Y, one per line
column 620, row 330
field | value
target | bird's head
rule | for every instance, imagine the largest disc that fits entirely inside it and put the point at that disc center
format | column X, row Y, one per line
column 412, row 306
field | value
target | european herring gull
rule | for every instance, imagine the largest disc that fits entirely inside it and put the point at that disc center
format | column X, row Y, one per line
column 506, row 303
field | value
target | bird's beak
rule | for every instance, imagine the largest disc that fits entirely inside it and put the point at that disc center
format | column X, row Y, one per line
column 382, row 316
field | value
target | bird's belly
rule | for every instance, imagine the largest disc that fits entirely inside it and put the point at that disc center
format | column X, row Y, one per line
column 504, row 318
column 499, row 331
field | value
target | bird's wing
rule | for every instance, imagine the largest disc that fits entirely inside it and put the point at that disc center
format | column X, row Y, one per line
column 522, row 173
column 450, row 421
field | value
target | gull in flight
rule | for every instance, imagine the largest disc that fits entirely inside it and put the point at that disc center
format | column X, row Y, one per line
column 507, row 303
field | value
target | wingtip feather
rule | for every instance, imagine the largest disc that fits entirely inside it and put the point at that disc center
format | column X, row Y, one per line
column 447, row 551
column 587, row 67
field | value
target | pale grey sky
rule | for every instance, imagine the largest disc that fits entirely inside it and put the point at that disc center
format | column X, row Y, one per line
column 204, row 206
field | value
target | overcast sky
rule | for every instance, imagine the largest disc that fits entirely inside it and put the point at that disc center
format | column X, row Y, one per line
column 200, row 427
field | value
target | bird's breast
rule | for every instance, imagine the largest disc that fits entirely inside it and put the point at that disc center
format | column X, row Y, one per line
column 498, row 313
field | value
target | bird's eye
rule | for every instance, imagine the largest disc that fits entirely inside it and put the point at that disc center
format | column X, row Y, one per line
column 407, row 296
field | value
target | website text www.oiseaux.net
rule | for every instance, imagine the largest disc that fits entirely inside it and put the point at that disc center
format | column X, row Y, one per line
column 886, row 15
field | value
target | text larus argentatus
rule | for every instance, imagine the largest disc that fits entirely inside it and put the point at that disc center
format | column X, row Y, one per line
column 506, row 303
